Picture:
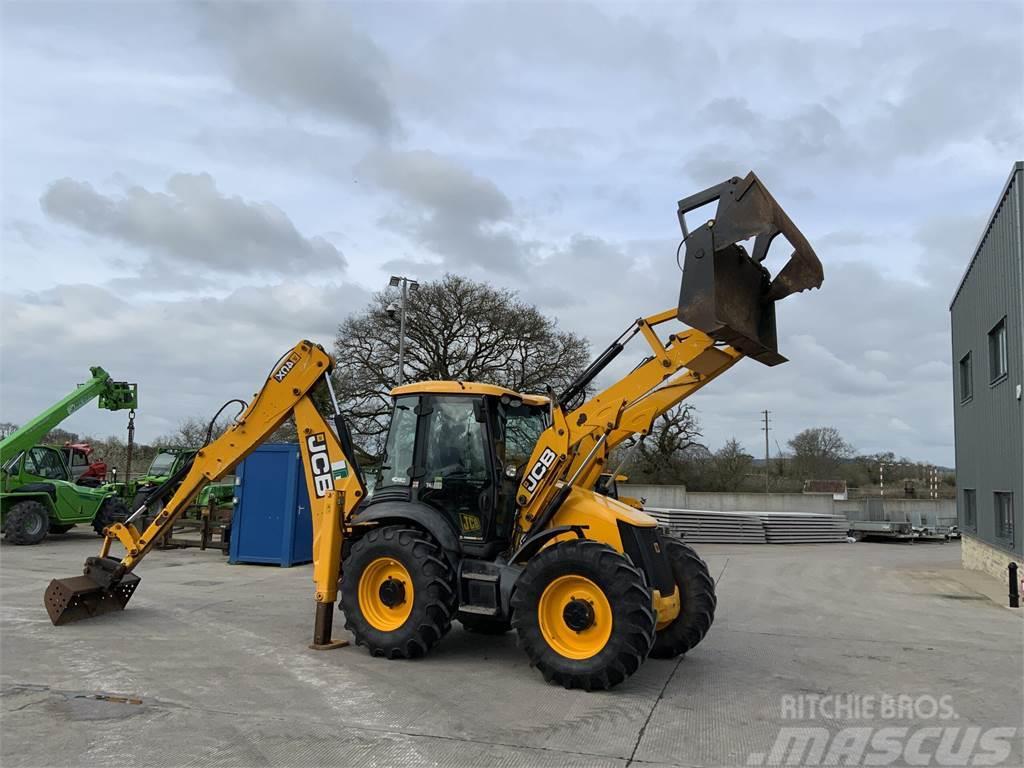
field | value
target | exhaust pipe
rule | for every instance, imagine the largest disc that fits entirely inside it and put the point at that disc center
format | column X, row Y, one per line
column 728, row 293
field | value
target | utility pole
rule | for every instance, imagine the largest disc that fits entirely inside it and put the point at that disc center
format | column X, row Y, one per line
column 407, row 284
column 766, row 427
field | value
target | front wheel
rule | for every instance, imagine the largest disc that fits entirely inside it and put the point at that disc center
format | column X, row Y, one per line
column 27, row 522
column 397, row 592
column 583, row 615
column 697, row 601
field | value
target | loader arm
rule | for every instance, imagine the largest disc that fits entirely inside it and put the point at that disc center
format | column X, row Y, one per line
column 574, row 450
column 728, row 298
column 332, row 476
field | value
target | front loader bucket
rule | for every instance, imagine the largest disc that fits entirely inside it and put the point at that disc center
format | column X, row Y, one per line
column 728, row 293
column 94, row 593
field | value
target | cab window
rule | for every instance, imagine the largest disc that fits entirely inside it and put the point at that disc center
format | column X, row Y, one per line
column 523, row 426
column 398, row 450
column 456, row 441
column 45, row 462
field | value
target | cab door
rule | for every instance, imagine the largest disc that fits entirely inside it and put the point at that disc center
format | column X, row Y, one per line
column 43, row 463
column 456, row 463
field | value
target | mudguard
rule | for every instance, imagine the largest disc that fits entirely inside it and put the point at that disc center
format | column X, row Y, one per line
column 427, row 518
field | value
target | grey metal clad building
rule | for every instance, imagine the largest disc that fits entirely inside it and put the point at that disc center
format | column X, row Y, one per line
column 987, row 314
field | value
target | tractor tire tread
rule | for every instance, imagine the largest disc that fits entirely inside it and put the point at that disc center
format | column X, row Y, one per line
column 633, row 616
column 112, row 510
column 430, row 621
column 19, row 515
column 697, row 601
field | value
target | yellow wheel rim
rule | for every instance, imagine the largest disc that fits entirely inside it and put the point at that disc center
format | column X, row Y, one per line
column 575, row 617
column 385, row 594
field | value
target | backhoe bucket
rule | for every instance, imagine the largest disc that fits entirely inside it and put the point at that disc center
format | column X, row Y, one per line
column 96, row 592
column 728, row 293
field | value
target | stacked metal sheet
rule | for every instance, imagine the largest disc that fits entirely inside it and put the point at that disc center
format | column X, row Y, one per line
column 711, row 527
column 804, row 528
column 706, row 526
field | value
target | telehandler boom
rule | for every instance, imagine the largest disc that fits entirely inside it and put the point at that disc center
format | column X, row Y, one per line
column 485, row 508
column 38, row 493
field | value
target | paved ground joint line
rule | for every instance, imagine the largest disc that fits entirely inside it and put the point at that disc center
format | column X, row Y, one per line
column 722, row 572
column 661, row 695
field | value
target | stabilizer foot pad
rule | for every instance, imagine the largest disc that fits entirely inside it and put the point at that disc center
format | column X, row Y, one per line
column 328, row 646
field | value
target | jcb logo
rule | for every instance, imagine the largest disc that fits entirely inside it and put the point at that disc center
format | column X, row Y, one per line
column 320, row 464
column 286, row 368
column 535, row 475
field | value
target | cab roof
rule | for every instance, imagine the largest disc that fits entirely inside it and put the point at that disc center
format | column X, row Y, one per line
column 464, row 388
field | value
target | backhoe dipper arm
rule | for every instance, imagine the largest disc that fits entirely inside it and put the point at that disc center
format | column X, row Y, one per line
column 333, row 479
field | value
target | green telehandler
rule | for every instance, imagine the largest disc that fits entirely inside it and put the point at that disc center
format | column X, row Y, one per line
column 37, row 492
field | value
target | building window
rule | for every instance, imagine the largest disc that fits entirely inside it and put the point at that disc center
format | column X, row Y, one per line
column 970, row 516
column 997, row 351
column 966, row 378
column 1004, row 515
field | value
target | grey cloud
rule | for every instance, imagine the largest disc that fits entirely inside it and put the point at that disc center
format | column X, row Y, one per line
column 187, row 356
column 309, row 56
column 438, row 184
column 846, row 238
column 458, row 215
column 959, row 85
column 571, row 58
column 939, row 86
column 192, row 225
column 947, row 243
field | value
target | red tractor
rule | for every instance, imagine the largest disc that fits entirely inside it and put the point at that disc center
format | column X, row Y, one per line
column 85, row 470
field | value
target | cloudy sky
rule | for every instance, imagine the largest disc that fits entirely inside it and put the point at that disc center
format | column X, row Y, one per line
column 189, row 188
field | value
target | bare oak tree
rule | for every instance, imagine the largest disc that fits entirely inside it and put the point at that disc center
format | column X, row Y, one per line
column 456, row 329
column 664, row 455
column 818, row 453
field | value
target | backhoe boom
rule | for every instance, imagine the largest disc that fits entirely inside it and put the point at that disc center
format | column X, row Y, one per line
column 333, row 479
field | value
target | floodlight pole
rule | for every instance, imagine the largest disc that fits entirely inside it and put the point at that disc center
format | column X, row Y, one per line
column 405, row 283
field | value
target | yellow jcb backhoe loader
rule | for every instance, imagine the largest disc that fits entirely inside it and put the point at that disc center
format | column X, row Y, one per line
column 485, row 508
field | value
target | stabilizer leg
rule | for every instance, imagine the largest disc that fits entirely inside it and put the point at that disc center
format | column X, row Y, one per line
column 323, row 628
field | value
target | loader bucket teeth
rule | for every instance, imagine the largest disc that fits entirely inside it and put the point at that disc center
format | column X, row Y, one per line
column 80, row 597
column 728, row 293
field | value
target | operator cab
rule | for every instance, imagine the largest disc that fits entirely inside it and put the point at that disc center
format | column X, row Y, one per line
column 460, row 449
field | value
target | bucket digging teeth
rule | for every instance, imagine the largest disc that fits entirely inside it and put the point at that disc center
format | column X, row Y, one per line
column 102, row 588
column 728, row 293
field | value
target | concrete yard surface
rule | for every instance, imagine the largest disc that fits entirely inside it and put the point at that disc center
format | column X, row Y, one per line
column 841, row 640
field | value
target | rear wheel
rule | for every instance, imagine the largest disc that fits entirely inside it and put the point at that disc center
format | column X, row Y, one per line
column 697, row 601
column 111, row 511
column 397, row 592
column 583, row 615
column 27, row 522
